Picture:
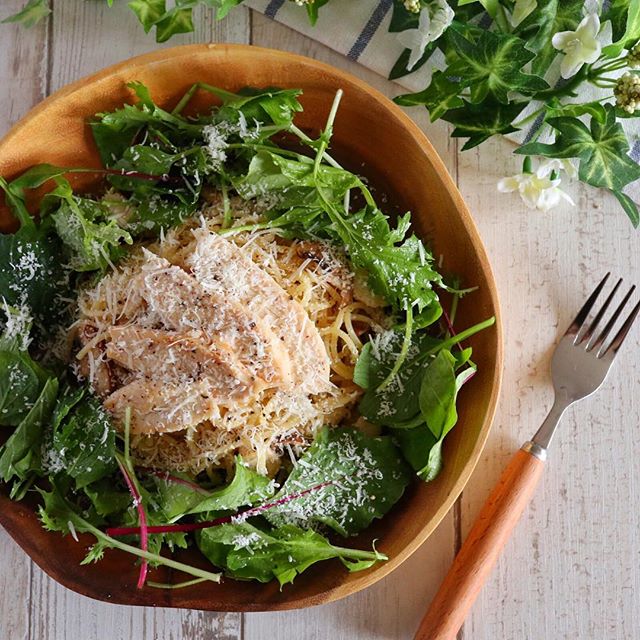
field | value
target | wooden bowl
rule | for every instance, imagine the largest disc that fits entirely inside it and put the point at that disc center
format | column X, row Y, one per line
column 398, row 159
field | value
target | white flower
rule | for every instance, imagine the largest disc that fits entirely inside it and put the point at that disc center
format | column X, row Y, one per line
column 537, row 192
column 580, row 46
column 548, row 166
column 434, row 20
column 521, row 10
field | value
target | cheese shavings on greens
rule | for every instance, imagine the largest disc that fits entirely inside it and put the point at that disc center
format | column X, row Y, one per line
column 159, row 168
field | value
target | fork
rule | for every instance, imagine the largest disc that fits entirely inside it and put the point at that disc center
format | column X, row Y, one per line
column 579, row 366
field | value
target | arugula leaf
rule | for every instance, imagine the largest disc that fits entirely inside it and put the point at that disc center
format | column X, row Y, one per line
column 292, row 181
column 82, row 439
column 20, row 454
column 439, row 97
column 92, row 241
column 602, row 150
column 369, row 476
column 107, row 500
column 492, row 66
column 479, row 122
column 30, row 14
column 270, row 106
column 245, row 489
column 246, row 551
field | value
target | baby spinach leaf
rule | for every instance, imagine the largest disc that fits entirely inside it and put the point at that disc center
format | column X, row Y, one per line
column 31, row 272
column 82, row 440
column 21, row 378
column 21, row 382
column 398, row 401
column 368, row 474
column 246, row 551
column 20, row 454
column 422, row 445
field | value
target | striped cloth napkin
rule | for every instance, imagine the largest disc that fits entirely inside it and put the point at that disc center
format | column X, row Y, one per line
column 359, row 30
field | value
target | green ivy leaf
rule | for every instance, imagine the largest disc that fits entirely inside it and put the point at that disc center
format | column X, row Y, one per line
column 631, row 34
column 492, row 66
column 602, row 150
column 149, row 12
column 617, row 15
column 31, row 13
column 629, row 206
column 401, row 66
column 177, row 20
column 555, row 109
column 549, row 17
column 479, row 122
column 439, row 97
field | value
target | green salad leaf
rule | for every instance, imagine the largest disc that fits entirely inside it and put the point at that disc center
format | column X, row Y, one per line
column 31, row 273
column 246, row 488
column 368, row 477
column 20, row 455
column 246, row 551
column 82, row 439
column 422, row 445
column 21, row 378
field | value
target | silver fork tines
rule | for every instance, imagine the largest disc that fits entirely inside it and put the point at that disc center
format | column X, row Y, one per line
column 583, row 357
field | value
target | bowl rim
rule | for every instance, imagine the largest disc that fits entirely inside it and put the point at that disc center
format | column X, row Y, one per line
column 366, row 579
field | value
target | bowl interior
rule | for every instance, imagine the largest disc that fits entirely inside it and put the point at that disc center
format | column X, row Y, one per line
column 373, row 137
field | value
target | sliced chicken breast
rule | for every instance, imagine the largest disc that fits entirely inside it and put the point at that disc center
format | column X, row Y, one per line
column 175, row 357
column 157, row 407
column 225, row 271
column 177, row 301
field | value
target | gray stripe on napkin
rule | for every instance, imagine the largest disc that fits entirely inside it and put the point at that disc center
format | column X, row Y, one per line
column 272, row 8
column 370, row 29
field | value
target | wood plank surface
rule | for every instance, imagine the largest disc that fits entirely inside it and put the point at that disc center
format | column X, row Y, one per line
column 572, row 569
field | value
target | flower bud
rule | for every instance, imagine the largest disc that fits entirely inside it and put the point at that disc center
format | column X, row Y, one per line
column 627, row 92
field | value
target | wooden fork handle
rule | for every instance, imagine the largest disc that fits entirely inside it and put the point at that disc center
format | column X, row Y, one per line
column 483, row 546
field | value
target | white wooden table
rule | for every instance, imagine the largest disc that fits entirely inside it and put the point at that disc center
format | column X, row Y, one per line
column 572, row 569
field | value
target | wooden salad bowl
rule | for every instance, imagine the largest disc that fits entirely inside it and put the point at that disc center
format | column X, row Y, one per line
column 399, row 160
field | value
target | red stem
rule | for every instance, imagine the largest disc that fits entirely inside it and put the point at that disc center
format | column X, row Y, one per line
column 142, row 518
column 243, row 515
column 452, row 331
